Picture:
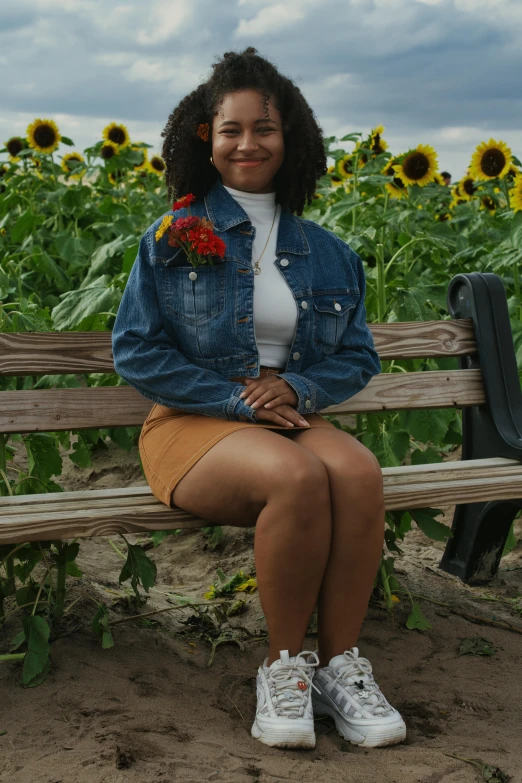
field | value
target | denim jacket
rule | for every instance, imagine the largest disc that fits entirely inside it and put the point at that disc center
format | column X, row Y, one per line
column 178, row 340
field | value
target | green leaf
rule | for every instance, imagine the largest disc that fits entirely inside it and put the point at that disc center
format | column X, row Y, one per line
column 67, row 140
column 78, row 308
column 36, row 662
column 71, row 569
column 44, row 459
column 81, row 454
column 395, row 444
column 101, row 627
column 139, row 568
column 23, row 226
column 129, row 257
column 476, row 645
column 427, row 426
column 511, row 540
column 417, row 620
column 425, row 519
column 157, row 536
column 425, row 457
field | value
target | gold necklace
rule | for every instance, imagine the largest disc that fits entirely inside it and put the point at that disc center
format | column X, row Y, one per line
column 257, row 268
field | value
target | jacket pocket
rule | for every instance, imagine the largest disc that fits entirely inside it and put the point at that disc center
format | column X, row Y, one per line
column 331, row 314
column 192, row 294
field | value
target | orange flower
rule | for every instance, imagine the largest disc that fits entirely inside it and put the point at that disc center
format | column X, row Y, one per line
column 203, row 130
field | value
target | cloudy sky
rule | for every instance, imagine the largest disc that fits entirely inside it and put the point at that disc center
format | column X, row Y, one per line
column 441, row 72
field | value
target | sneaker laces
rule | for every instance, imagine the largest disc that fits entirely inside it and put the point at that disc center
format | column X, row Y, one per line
column 289, row 683
column 356, row 672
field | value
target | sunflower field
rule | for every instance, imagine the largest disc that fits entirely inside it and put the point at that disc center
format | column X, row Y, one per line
column 70, row 224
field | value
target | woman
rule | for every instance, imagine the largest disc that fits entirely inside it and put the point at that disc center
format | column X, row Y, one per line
column 238, row 357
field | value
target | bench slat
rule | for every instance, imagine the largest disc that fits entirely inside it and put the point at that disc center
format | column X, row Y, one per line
column 135, row 509
column 45, row 410
column 43, row 353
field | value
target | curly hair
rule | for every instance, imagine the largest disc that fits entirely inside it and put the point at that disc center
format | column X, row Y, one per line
column 187, row 155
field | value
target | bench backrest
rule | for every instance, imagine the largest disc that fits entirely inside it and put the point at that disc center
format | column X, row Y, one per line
column 53, row 353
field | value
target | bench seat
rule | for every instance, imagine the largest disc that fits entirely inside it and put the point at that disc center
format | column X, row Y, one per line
column 102, row 512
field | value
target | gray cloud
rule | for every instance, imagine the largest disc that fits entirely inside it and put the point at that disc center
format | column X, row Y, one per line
column 440, row 72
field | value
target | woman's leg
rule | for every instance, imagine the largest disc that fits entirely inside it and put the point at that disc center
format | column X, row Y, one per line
column 356, row 494
column 256, row 477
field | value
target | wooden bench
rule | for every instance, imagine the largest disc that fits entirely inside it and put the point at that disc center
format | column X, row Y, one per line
column 487, row 483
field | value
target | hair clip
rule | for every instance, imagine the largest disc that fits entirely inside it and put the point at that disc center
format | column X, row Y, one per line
column 203, row 130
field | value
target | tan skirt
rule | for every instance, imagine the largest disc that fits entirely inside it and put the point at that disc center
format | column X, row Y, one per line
column 172, row 441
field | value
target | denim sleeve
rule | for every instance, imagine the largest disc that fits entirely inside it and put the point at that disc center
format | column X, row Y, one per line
column 146, row 357
column 348, row 370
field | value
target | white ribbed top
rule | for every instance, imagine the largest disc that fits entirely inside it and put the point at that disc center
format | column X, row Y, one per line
column 275, row 315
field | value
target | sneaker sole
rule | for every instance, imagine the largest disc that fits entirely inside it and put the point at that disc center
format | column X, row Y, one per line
column 278, row 738
column 375, row 737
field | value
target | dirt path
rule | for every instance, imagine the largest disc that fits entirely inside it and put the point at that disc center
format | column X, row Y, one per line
column 151, row 711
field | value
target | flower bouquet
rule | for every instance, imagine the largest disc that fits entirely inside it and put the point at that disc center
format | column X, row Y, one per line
column 193, row 234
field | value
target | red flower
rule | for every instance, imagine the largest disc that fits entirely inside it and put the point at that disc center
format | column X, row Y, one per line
column 184, row 201
column 205, row 243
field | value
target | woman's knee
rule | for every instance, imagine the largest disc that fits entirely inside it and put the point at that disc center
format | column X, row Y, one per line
column 302, row 477
column 360, row 473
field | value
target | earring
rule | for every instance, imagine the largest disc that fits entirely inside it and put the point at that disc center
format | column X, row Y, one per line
column 212, row 161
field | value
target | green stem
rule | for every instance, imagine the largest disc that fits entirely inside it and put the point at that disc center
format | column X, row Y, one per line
column 381, row 284
column 61, row 566
column 386, row 587
column 399, row 251
column 13, row 657
column 116, row 549
column 56, row 186
column 355, row 164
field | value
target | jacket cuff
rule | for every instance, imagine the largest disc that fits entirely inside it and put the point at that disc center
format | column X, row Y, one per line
column 237, row 407
column 305, row 390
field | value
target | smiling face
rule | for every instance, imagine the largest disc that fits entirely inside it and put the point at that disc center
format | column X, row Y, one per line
column 247, row 142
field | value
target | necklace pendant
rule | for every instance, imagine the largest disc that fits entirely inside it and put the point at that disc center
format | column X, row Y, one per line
column 257, row 270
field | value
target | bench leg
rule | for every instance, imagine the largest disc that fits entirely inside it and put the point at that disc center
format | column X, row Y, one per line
column 494, row 429
column 480, row 531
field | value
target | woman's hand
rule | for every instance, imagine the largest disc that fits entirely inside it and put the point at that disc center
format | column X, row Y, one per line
column 273, row 399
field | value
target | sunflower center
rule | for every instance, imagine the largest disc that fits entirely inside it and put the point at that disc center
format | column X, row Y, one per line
column 492, row 163
column 469, row 187
column 157, row 164
column 117, row 135
column 416, row 166
column 398, row 183
column 107, row 152
column 14, row 146
column 44, row 135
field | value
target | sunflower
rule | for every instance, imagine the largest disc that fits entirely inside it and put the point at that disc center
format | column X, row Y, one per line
column 486, row 202
column 466, row 188
column 116, row 133
column 362, row 157
column 344, row 166
column 3, row 170
column 439, row 179
column 443, row 216
column 74, row 171
column 418, row 166
column 116, row 176
column 516, row 194
column 156, row 165
column 396, row 188
column 15, row 145
column 108, row 150
column 43, row 135
column 142, row 166
column 335, row 179
column 491, row 159
column 377, row 144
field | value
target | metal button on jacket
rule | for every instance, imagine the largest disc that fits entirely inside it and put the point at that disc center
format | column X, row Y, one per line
column 193, row 275
column 296, row 356
column 308, row 404
column 337, row 306
column 304, row 305
column 284, row 262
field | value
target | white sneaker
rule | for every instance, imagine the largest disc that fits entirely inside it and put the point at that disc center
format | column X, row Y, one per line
column 284, row 715
column 348, row 693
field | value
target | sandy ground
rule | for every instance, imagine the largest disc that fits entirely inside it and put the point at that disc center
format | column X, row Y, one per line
column 150, row 710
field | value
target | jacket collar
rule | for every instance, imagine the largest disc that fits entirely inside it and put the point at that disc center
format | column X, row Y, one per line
column 225, row 212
